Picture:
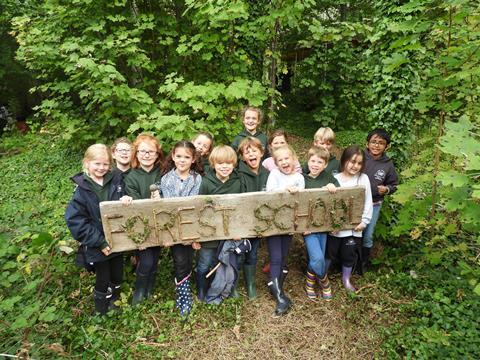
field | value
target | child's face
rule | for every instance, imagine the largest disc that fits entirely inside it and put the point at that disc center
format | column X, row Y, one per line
column 285, row 161
column 223, row 170
column 277, row 142
column 202, row 144
column 354, row 165
column 147, row 155
column 183, row 159
column 122, row 154
column 98, row 167
column 327, row 145
column 250, row 121
column 376, row 146
column 316, row 165
column 252, row 156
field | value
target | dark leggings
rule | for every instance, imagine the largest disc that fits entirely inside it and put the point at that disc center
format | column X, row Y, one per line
column 148, row 260
column 344, row 250
column 182, row 260
column 278, row 247
column 108, row 272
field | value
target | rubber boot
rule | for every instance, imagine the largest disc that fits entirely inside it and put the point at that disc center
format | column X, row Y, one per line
column 115, row 290
column 249, row 272
column 184, row 298
column 283, row 302
column 234, row 293
column 202, row 286
column 152, row 278
column 101, row 300
column 310, row 286
column 140, row 289
column 346, row 274
column 283, row 276
column 325, row 287
column 365, row 259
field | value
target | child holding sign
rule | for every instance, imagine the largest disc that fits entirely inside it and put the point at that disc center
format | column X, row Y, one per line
column 97, row 183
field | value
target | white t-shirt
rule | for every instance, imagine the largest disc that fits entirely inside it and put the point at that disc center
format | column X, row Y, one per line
column 357, row 180
column 279, row 181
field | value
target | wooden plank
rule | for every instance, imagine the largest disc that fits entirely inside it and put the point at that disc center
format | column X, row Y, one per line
column 166, row 222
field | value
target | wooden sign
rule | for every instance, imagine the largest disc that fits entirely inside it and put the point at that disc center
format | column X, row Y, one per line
column 183, row 220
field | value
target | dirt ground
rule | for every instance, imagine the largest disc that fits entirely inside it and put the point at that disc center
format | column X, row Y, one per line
column 345, row 328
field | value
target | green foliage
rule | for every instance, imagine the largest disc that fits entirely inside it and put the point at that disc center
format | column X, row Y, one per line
column 441, row 319
column 170, row 67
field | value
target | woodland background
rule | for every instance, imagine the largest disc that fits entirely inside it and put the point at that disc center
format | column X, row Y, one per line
column 84, row 71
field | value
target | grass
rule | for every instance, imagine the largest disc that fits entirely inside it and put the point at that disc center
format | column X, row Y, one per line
column 54, row 300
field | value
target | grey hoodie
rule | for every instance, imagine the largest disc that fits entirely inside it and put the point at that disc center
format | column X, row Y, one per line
column 380, row 172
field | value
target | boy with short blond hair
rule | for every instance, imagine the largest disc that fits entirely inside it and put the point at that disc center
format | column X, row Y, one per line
column 325, row 137
column 223, row 179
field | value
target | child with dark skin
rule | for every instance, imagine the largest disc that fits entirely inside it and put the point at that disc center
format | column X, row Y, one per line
column 383, row 180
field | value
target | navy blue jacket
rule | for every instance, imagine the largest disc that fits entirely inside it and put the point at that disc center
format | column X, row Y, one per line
column 83, row 216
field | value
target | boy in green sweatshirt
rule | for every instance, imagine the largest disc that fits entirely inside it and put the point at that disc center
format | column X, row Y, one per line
column 254, row 178
column 223, row 180
column 318, row 177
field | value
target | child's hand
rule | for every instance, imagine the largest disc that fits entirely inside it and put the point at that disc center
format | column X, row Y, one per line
column 332, row 189
column 196, row 246
column 106, row 251
column 236, row 238
column 155, row 195
column 360, row 227
column 292, row 189
column 382, row 190
column 126, row 200
column 307, row 233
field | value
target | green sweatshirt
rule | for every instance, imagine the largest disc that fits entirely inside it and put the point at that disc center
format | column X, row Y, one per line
column 252, row 182
column 321, row 180
column 100, row 190
column 138, row 181
column 333, row 166
column 259, row 135
column 211, row 185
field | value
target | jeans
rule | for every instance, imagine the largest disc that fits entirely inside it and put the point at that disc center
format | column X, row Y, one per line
column 368, row 232
column 148, row 260
column 316, row 243
column 207, row 259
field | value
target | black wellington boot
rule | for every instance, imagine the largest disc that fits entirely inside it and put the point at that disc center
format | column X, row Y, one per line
column 152, row 278
column 140, row 289
column 365, row 259
column 283, row 302
column 101, row 300
column 115, row 290
column 202, row 286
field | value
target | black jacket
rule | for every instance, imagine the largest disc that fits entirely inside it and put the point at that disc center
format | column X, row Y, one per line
column 83, row 216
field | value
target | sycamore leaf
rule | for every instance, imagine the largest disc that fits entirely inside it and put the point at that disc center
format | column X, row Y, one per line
column 451, row 177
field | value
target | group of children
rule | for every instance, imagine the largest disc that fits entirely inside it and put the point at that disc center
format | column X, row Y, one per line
column 253, row 163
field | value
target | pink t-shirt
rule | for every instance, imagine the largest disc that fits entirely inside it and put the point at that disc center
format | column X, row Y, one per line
column 269, row 164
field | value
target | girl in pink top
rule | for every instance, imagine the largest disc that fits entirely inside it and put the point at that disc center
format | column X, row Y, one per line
column 276, row 140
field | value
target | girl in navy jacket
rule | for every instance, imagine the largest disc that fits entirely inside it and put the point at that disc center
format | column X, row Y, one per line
column 97, row 183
